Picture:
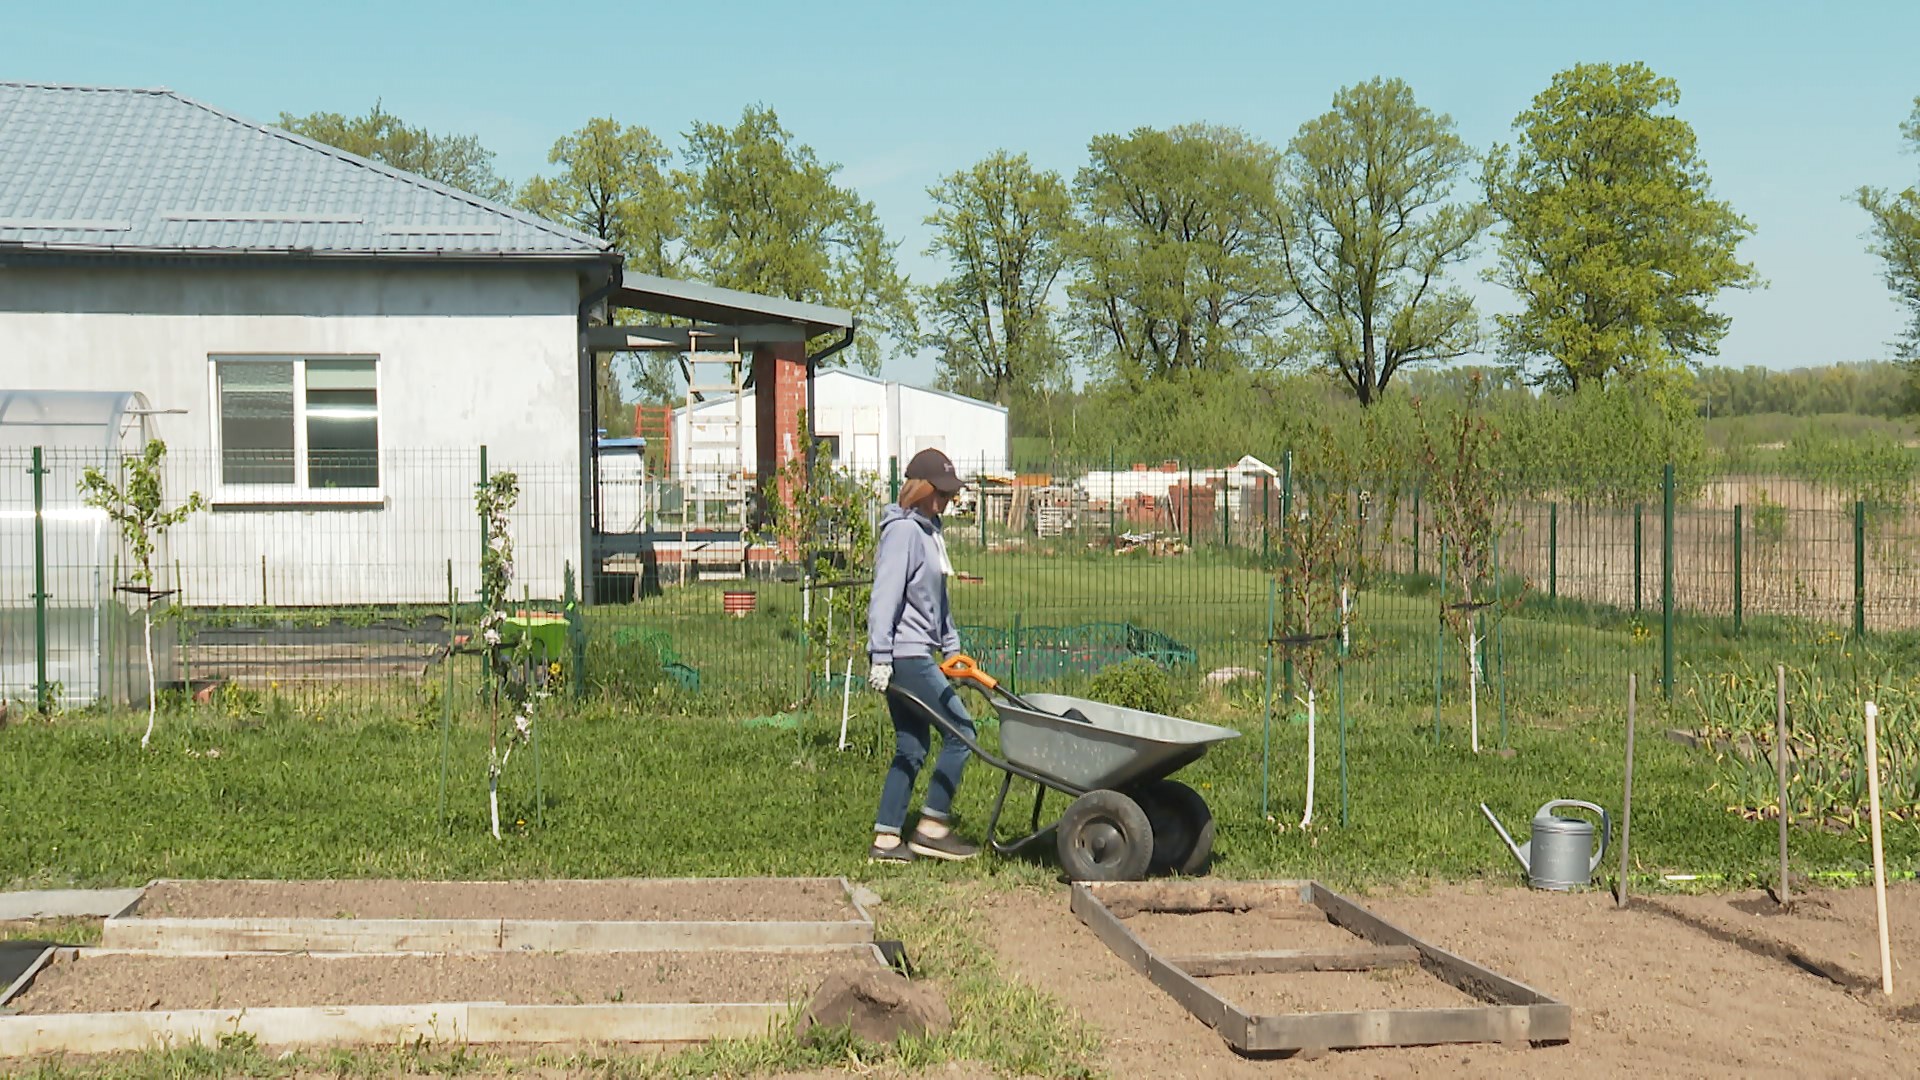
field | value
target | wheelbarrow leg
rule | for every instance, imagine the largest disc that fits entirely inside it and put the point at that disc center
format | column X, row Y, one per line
column 1039, row 797
column 999, row 802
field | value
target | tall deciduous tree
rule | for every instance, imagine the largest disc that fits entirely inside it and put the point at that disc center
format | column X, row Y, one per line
column 1612, row 239
column 1896, row 239
column 613, row 182
column 1179, row 253
column 767, row 216
column 1372, row 232
column 1002, row 228
column 454, row 160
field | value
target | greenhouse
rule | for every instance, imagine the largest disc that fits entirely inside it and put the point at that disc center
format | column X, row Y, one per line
column 68, row 634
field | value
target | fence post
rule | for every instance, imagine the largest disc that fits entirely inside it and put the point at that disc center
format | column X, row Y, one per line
column 480, row 571
column 1738, row 599
column 446, row 700
column 1499, row 650
column 1636, row 558
column 1113, row 502
column 1189, row 507
column 893, row 478
column 1416, row 532
column 1440, row 641
column 1013, row 665
column 39, row 471
column 1859, row 569
column 1666, row 581
column 1266, row 522
column 1286, row 557
column 1553, row 551
column 1226, row 511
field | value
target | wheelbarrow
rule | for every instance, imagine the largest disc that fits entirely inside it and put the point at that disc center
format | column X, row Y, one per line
column 1127, row 817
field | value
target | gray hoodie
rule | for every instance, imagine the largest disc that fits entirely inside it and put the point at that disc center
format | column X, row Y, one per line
column 908, row 616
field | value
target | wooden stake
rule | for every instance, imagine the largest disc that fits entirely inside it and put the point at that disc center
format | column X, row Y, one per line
column 1780, row 765
column 1626, row 802
column 1879, row 862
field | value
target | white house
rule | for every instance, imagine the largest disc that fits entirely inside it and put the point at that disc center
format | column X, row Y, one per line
column 326, row 344
column 863, row 422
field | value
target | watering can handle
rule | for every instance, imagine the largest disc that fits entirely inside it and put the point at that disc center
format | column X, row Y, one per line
column 962, row 666
column 1606, row 825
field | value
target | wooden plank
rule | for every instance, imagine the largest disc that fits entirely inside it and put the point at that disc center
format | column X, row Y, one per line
column 1281, row 961
column 1396, row 1027
column 101, row 1033
column 621, row 1023
column 165, row 935
column 1454, row 970
column 556, row 936
column 1206, row 1006
column 1282, row 899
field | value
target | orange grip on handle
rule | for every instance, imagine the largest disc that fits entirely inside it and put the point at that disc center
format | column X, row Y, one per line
column 963, row 666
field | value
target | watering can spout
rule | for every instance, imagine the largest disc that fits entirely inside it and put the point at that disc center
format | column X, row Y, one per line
column 1519, row 851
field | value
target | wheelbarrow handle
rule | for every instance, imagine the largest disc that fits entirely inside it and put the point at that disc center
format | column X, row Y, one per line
column 962, row 666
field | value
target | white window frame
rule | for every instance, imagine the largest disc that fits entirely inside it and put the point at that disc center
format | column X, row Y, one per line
column 299, row 492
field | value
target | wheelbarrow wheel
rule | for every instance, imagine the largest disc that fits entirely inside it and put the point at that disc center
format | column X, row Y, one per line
column 1105, row 836
column 1182, row 827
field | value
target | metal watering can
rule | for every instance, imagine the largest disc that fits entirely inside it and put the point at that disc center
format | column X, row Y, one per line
column 1560, row 855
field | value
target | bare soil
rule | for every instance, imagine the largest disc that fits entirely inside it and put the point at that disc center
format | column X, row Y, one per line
column 1652, row 995
column 1831, row 933
column 123, row 983
column 754, row 900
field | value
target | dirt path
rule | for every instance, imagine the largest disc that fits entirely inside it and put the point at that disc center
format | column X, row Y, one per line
column 1653, row 996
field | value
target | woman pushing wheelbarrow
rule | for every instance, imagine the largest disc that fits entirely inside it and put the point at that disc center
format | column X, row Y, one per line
column 908, row 618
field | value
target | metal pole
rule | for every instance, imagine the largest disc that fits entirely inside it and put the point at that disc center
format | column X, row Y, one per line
column 1286, row 556
column 1636, row 558
column 1666, row 583
column 893, row 479
column 1859, row 570
column 1113, row 502
column 1780, row 768
column 1416, row 532
column 1499, row 653
column 39, row 471
column 1739, row 600
column 446, row 699
column 1189, row 507
column 1266, row 522
column 1013, row 667
column 1553, row 551
column 1626, row 802
column 263, row 580
column 486, row 654
column 1440, row 641
column 1226, row 511
column 1266, row 726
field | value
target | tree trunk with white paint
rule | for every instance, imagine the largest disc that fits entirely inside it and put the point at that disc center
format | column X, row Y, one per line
column 1307, row 818
column 152, row 690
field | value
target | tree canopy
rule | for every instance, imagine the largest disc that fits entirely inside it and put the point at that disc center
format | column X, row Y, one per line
column 1001, row 226
column 1371, row 233
column 766, row 215
column 1610, row 237
column 1178, row 254
column 454, row 160
column 1896, row 239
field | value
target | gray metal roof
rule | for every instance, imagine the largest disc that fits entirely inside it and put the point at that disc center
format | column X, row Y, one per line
column 713, row 304
column 95, row 169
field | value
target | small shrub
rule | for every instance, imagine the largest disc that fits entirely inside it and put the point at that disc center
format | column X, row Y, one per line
column 1136, row 684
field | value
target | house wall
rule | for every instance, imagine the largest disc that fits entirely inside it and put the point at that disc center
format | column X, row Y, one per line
column 466, row 356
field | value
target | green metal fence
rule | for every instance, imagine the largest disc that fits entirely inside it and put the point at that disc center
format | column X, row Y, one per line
column 364, row 595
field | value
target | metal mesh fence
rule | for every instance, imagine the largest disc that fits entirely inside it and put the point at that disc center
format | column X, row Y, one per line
column 362, row 592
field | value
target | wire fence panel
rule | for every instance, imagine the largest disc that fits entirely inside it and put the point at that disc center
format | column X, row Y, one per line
column 365, row 592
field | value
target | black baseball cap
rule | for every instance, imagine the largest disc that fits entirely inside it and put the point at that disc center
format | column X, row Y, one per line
column 935, row 468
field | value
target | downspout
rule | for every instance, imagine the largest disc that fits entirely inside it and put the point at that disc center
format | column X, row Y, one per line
column 590, row 439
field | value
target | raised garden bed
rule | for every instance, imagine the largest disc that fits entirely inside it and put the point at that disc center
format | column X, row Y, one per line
column 401, row 916
column 98, row 1001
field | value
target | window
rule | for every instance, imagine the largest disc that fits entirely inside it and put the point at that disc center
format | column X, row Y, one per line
column 299, row 425
column 829, row 447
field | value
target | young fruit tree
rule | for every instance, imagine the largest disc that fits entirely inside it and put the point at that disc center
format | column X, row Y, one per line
column 1319, row 540
column 135, row 501
column 495, row 498
column 1463, row 489
column 825, row 519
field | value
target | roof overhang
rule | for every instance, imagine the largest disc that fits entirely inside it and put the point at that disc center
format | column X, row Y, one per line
column 714, row 305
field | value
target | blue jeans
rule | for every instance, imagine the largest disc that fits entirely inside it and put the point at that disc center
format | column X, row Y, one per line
column 912, row 733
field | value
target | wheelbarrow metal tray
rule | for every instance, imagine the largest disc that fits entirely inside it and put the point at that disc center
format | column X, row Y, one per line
column 1112, row 748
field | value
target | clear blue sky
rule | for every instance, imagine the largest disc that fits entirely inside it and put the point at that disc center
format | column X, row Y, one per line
column 1795, row 104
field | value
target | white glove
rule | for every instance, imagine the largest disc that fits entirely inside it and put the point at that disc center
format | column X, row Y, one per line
column 879, row 676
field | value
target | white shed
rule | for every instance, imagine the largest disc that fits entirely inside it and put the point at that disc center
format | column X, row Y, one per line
column 864, row 421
